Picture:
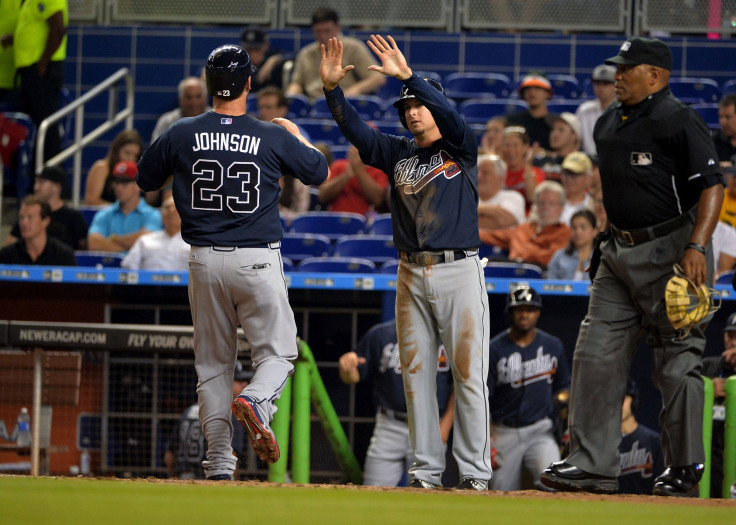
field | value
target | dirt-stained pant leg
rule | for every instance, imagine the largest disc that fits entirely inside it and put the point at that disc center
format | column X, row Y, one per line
column 418, row 343
column 215, row 349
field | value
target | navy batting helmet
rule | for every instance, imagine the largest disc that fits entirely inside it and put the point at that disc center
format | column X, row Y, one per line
column 633, row 391
column 523, row 295
column 228, row 70
column 407, row 94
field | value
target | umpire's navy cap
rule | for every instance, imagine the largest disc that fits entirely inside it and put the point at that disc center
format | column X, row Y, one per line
column 731, row 323
column 640, row 50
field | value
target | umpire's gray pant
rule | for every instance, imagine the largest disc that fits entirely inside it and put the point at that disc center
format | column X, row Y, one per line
column 627, row 299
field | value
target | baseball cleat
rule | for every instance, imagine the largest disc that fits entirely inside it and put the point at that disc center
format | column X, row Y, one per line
column 566, row 477
column 467, row 483
column 421, row 484
column 264, row 443
column 221, row 477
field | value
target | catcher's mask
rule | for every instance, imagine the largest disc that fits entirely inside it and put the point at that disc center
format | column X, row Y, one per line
column 688, row 304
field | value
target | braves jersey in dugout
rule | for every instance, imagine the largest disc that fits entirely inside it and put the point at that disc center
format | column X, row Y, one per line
column 641, row 461
column 434, row 195
column 226, row 176
column 382, row 366
column 522, row 380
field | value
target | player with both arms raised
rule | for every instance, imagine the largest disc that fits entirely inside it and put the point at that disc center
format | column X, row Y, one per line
column 440, row 291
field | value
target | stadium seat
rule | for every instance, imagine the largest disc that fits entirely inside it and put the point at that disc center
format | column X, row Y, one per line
column 729, row 86
column 288, row 264
column 692, row 90
column 298, row 106
column 381, row 225
column 331, row 224
column 423, row 73
column 298, row 246
column 89, row 211
column 389, row 92
column 376, row 248
column 513, row 270
column 709, row 112
column 251, row 105
column 558, row 105
column 462, row 86
column 369, row 107
column 492, row 252
column 480, row 111
column 390, row 267
column 99, row 259
column 724, row 277
column 391, row 125
column 565, row 86
column 323, row 130
column 586, row 91
column 336, row 265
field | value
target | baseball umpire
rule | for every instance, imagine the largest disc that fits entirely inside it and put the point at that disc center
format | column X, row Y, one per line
column 226, row 167
column 440, row 291
column 527, row 367
column 662, row 191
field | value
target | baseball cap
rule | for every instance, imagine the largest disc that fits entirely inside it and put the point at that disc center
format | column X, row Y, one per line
column 535, row 80
column 253, row 36
column 577, row 162
column 603, row 73
column 241, row 373
column 125, row 171
column 640, row 50
column 731, row 323
column 572, row 121
column 54, row 174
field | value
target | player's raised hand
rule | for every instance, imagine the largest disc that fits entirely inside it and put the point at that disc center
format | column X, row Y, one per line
column 330, row 68
column 392, row 59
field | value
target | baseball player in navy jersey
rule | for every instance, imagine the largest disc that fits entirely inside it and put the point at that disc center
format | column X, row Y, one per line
column 226, row 167
column 640, row 450
column 440, row 291
column 377, row 360
column 528, row 367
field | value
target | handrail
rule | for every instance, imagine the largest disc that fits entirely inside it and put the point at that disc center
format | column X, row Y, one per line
column 80, row 140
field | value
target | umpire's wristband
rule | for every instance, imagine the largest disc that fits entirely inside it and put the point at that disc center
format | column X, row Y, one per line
column 695, row 246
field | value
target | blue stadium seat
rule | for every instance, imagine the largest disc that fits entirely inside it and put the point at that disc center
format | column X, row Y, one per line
column 423, row 73
column 336, row 265
column 480, row 111
column 251, row 105
column 331, row 224
column 376, row 248
column 558, row 105
column 724, row 277
column 288, row 264
column 390, row 267
column 389, row 92
column 462, row 86
column 89, row 211
column 323, row 130
column 586, row 91
column 729, row 86
column 565, row 86
column 492, row 252
column 99, row 259
column 381, row 225
column 513, row 270
column 298, row 106
column 709, row 112
column 19, row 171
column 392, row 125
column 369, row 107
column 298, row 246
column 692, row 90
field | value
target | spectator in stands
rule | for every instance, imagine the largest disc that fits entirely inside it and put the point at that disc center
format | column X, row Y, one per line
column 127, row 146
column 719, row 369
column 269, row 62
column 497, row 206
column 724, row 248
column 569, row 263
column 725, row 138
column 576, row 173
column 517, row 153
column 354, row 187
column 542, row 235
column 9, row 12
column 35, row 246
column 67, row 224
column 306, row 79
column 492, row 138
column 163, row 249
column 598, row 210
column 192, row 102
column 564, row 139
column 536, row 90
column 117, row 227
column 589, row 111
column 39, row 45
column 272, row 103
column 640, row 451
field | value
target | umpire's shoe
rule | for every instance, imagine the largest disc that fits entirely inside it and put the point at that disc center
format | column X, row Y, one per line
column 679, row 482
column 264, row 442
column 566, row 477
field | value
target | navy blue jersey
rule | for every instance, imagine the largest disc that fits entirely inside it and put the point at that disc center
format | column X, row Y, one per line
column 226, row 176
column 522, row 381
column 641, row 461
column 434, row 195
column 382, row 366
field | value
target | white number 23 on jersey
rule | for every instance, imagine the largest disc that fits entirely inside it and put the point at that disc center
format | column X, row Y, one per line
column 214, row 185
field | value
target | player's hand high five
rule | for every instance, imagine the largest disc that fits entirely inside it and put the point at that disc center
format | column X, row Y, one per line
column 330, row 68
column 394, row 63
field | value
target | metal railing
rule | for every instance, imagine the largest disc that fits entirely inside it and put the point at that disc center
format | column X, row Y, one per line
column 114, row 116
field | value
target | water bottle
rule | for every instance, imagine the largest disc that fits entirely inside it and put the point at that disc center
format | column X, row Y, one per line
column 24, row 428
column 84, row 463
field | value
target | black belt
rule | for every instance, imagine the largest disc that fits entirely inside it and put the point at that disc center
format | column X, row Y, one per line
column 633, row 237
column 272, row 245
column 398, row 416
column 429, row 258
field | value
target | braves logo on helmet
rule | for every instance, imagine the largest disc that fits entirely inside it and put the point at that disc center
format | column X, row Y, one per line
column 227, row 71
column 523, row 295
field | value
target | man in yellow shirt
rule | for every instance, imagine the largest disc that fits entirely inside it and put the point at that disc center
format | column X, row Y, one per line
column 39, row 43
column 9, row 11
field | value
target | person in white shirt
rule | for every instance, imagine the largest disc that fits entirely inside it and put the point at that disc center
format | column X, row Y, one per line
column 576, row 172
column 724, row 247
column 497, row 206
column 588, row 112
column 163, row 249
